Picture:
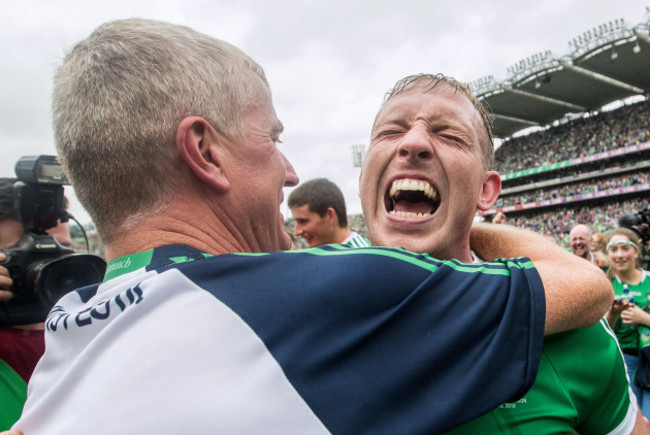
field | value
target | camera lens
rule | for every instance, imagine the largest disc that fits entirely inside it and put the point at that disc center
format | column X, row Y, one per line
column 62, row 275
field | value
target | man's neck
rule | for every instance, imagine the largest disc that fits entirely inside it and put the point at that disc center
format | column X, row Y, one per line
column 461, row 251
column 176, row 224
column 342, row 234
column 141, row 239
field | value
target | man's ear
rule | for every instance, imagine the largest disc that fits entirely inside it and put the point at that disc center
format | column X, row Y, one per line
column 331, row 215
column 198, row 146
column 490, row 191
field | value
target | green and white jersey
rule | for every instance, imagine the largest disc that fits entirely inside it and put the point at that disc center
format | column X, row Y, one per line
column 356, row 240
column 629, row 337
column 581, row 385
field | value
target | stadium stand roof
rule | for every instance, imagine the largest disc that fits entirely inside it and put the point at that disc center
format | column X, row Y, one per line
column 606, row 64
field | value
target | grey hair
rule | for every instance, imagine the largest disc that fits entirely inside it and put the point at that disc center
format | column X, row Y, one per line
column 429, row 82
column 118, row 99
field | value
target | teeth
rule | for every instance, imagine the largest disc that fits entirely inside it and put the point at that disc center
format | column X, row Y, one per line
column 408, row 214
column 412, row 185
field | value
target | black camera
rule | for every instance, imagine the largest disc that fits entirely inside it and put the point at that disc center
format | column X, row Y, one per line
column 42, row 270
column 638, row 222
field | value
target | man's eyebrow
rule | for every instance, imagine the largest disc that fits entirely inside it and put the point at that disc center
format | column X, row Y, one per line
column 395, row 120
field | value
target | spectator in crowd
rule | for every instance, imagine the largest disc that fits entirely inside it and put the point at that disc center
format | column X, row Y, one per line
column 21, row 346
column 580, row 241
column 580, row 237
column 451, row 166
column 320, row 216
column 597, row 246
column 629, row 319
column 499, row 218
column 169, row 138
column 598, row 242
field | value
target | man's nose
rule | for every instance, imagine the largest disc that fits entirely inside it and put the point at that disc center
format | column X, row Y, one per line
column 416, row 144
column 292, row 178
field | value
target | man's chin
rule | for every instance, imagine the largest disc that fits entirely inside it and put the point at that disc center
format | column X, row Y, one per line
column 285, row 243
column 410, row 242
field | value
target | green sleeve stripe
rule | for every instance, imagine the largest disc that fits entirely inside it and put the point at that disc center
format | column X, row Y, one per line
column 424, row 261
column 397, row 254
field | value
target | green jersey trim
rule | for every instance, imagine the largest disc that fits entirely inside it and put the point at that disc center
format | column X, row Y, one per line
column 130, row 263
column 127, row 264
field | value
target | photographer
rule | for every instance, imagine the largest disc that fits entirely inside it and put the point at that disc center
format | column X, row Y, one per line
column 20, row 346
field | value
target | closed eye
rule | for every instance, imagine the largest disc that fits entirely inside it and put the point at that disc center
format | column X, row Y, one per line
column 452, row 138
column 387, row 133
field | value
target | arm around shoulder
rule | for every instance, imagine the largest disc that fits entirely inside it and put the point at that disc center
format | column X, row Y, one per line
column 578, row 293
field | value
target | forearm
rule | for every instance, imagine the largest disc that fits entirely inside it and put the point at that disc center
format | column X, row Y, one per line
column 578, row 293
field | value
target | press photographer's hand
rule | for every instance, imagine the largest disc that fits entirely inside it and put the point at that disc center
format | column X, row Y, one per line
column 5, row 282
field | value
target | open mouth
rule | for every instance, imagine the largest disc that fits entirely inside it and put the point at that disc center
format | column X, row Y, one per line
column 412, row 198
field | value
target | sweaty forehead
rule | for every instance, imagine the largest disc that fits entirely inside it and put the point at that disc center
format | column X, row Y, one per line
column 442, row 104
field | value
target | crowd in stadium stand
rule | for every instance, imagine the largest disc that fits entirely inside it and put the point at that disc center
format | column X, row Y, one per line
column 557, row 223
column 578, row 138
column 628, row 125
column 564, row 190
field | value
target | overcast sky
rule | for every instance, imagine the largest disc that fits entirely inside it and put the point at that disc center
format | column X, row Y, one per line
column 329, row 63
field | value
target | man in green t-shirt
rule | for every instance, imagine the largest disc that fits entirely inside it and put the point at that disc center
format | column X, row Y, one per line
column 426, row 173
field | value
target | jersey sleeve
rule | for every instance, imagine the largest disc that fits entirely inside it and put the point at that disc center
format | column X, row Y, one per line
column 593, row 372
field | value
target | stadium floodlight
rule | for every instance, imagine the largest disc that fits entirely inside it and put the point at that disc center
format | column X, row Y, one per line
column 358, row 152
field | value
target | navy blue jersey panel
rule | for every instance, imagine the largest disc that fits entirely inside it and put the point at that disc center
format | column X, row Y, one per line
column 85, row 293
column 378, row 344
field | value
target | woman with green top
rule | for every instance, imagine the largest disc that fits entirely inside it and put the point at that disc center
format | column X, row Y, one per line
column 627, row 316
